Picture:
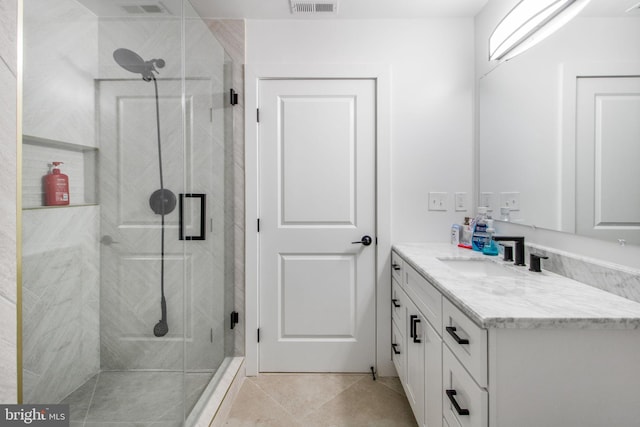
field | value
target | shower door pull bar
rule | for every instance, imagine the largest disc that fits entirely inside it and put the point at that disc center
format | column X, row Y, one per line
column 233, row 97
column 203, row 198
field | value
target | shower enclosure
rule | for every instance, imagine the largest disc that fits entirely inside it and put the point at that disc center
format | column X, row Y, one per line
column 127, row 292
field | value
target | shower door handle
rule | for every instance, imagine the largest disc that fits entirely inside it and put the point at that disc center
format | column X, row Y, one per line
column 203, row 214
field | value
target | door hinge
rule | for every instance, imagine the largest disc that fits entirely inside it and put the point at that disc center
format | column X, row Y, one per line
column 258, row 115
column 258, row 334
column 376, row 240
column 258, row 225
column 233, row 97
column 235, row 319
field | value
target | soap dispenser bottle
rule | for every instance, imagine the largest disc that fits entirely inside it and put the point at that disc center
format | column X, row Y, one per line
column 490, row 247
column 56, row 186
column 479, row 230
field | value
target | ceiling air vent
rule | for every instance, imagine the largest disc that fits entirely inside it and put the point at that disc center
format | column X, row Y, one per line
column 306, row 7
column 147, row 8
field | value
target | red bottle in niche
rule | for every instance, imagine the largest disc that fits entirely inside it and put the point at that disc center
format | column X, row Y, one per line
column 56, row 187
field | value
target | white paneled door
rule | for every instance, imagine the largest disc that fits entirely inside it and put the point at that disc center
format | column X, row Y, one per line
column 317, row 196
column 607, row 154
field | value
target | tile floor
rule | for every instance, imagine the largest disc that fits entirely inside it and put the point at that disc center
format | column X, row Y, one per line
column 135, row 399
column 331, row 400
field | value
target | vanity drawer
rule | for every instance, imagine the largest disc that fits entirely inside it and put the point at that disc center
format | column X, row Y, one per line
column 398, row 305
column 426, row 297
column 466, row 340
column 458, row 388
column 396, row 266
column 398, row 352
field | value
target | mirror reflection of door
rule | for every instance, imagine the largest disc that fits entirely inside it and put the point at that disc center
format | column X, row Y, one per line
column 607, row 158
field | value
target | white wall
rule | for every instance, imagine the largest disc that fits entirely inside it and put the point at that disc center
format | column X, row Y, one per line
column 599, row 40
column 431, row 101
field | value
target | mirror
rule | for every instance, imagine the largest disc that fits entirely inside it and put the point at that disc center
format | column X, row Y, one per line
column 559, row 128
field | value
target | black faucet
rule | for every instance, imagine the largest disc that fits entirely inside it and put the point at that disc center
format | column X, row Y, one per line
column 519, row 241
column 534, row 260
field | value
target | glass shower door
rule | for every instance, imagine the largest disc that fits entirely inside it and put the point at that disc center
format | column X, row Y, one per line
column 131, row 298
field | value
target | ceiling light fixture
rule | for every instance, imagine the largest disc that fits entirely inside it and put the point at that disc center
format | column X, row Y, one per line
column 528, row 23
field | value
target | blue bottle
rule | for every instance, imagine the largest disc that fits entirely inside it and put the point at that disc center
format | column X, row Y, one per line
column 479, row 235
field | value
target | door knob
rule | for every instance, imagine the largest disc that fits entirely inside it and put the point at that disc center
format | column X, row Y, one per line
column 366, row 240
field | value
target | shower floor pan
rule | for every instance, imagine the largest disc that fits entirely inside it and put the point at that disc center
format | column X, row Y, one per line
column 140, row 398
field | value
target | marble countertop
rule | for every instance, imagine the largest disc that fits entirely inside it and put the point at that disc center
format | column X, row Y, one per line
column 528, row 300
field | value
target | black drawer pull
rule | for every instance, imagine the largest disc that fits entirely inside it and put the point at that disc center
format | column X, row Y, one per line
column 414, row 329
column 395, row 348
column 452, row 399
column 395, row 266
column 395, row 302
column 452, row 332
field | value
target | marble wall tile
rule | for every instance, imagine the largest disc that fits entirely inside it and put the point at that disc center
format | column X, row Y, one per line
column 8, row 34
column 61, row 266
column 7, row 183
column 8, row 374
column 60, row 64
column 159, row 38
column 8, row 262
column 616, row 279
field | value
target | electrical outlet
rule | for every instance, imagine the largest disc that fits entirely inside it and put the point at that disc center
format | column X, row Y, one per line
column 437, row 201
column 510, row 200
column 461, row 202
column 486, row 199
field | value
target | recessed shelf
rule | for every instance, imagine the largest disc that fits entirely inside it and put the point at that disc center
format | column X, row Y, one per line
column 51, row 143
column 79, row 163
column 35, row 208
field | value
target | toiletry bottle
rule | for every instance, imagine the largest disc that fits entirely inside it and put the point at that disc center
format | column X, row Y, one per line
column 56, row 186
column 465, row 235
column 479, row 229
column 490, row 246
column 456, row 230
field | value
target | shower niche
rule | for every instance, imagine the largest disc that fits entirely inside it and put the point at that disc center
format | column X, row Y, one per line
column 79, row 162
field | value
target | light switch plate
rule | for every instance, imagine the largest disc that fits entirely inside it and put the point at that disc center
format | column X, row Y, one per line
column 486, row 199
column 461, row 201
column 437, row 201
column 510, row 200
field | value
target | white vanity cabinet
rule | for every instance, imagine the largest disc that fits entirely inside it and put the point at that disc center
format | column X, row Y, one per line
column 520, row 370
column 419, row 366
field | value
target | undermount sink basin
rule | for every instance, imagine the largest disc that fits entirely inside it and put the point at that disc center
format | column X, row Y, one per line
column 480, row 268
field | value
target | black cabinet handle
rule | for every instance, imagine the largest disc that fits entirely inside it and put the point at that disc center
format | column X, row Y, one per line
column 395, row 303
column 414, row 333
column 452, row 332
column 395, row 348
column 452, row 399
column 395, row 266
